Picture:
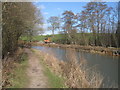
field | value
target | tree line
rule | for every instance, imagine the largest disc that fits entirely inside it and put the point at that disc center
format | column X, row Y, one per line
column 18, row 19
column 96, row 25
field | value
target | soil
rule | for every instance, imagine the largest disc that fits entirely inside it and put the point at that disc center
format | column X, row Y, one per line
column 35, row 72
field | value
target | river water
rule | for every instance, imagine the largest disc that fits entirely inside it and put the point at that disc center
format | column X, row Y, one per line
column 106, row 65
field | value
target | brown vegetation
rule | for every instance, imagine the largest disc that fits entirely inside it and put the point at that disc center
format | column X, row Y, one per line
column 18, row 19
column 76, row 74
column 93, row 49
column 9, row 63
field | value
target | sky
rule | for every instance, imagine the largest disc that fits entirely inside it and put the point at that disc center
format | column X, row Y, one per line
column 49, row 9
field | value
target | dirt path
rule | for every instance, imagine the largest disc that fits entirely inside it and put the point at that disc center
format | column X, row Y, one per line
column 35, row 72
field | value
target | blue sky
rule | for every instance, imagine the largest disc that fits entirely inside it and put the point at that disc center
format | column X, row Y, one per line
column 49, row 9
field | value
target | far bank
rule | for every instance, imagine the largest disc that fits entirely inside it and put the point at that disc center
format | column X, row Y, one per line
column 92, row 49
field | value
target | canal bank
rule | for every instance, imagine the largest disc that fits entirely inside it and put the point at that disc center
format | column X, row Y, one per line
column 107, row 66
column 92, row 49
column 74, row 75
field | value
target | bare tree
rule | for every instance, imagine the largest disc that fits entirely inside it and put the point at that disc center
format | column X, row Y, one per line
column 18, row 18
column 69, row 24
column 54, row 23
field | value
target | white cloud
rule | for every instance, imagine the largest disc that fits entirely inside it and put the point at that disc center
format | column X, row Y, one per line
column 45, row 13
column 41, row 7
column 43, row 26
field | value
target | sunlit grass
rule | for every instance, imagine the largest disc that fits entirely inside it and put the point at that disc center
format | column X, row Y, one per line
column 19, row 77
column 54, row 80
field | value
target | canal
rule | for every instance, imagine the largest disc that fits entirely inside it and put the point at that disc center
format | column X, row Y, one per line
column 106, row 65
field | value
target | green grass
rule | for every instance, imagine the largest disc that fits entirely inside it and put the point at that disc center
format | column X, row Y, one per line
column 54, row 80
column 34, row 38
column 19, row 78
column 58, row 38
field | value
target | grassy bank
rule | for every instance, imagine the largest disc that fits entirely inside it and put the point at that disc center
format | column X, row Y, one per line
column 60, row 40
column 54, row 80
column 18, row 78
column 75, row 75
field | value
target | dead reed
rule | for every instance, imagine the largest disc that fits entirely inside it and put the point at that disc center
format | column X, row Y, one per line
column 77, row 75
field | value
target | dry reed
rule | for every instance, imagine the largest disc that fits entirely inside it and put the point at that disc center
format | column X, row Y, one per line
column 76, row 74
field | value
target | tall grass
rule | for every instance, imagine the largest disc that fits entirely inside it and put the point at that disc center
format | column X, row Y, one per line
column 76, row 75
column 54, row 80
column 79, row 75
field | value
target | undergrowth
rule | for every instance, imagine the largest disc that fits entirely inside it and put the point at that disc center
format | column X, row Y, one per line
column 19, row 77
